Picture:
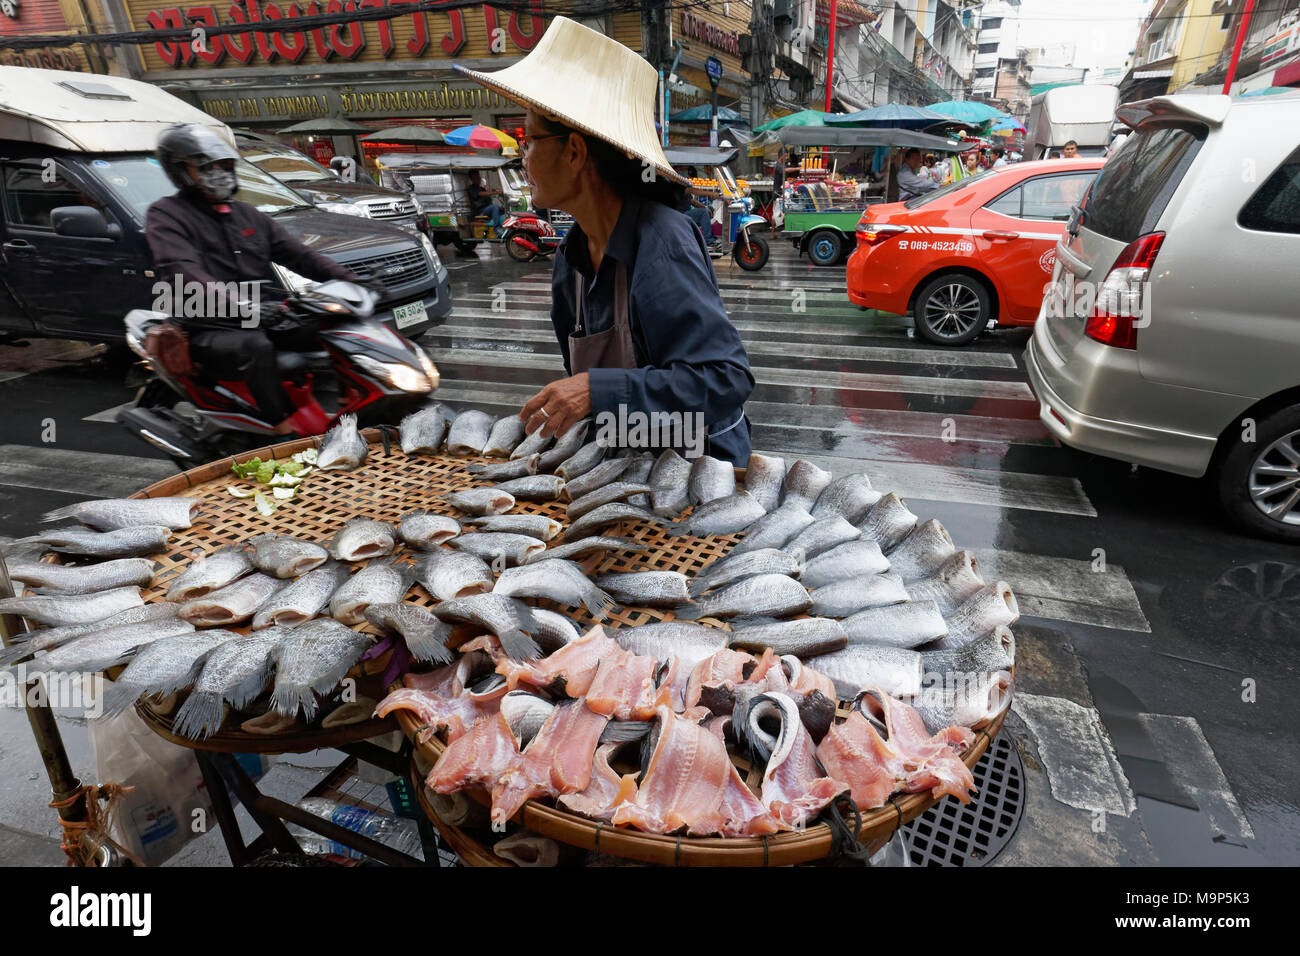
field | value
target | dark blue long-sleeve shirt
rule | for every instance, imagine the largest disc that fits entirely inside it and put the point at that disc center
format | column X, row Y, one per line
column 690, row 355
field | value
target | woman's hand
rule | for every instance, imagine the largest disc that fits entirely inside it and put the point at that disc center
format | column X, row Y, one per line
column 567, row 401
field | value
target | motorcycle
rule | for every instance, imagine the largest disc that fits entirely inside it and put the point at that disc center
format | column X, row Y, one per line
column 528, row 236
column 355, row 364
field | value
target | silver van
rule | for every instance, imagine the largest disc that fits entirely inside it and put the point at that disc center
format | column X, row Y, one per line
column 1170, row 333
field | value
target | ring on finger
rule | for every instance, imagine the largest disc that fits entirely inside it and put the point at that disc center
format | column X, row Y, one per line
column 544, row 412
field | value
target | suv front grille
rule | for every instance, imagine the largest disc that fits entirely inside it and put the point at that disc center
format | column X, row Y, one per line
column 393, row 271
column 390, row 209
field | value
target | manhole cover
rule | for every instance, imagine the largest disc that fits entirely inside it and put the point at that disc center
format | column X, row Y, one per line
column 955, row 834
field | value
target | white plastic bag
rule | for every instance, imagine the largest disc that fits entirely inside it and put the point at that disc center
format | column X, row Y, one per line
column 170, row 804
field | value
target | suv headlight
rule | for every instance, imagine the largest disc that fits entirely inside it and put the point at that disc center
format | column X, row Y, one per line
column 345, row 209
column 432, row 252
column 291, row 280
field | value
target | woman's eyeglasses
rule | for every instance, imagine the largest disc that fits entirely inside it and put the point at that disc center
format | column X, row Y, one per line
column 527, row 144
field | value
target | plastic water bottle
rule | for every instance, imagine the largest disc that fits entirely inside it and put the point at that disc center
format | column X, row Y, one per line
column 392, row 831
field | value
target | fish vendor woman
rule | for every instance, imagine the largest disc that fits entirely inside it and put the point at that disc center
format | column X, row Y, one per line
column 635, row 303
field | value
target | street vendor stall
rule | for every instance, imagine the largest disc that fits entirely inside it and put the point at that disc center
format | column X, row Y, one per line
column 552, row 663
column 730, row 203
column 823, row 203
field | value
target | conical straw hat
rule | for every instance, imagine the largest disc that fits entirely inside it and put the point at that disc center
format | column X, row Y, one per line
column 591, row 82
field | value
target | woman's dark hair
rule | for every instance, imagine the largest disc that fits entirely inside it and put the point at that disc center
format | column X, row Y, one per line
column 623, row 173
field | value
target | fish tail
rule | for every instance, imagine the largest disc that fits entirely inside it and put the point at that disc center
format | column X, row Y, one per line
column 598, row 603
column 288, row 699
column 428, row 647
column 690, row 612
column 118, row 697
column 519, row 646
column 677, row 529
column 59, row 514
column 201, row 715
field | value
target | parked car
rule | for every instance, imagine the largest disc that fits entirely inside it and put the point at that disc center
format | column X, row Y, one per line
column 1170, row 336
column 326, row 188
column 78, row 174
column 978, row 250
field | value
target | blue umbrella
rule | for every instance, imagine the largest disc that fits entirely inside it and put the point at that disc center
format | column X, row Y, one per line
column 702, row 114
column 970, row 111
column 1271, row 91
column 891, row 114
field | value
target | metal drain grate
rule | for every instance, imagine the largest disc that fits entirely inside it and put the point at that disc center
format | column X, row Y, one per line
column 955, row 834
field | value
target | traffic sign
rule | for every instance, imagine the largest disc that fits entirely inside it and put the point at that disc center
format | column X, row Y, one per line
column 713, row 67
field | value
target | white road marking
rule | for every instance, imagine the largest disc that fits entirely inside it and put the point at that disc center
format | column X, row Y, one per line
column 108, row 414
column 43, row 354
column 1194, row 769
column 1082, row 768
column 89, row 473
column 860, row 353
column 1066, row 589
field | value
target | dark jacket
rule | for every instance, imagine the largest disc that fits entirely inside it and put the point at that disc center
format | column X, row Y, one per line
column 189, row 238
column 690, row 355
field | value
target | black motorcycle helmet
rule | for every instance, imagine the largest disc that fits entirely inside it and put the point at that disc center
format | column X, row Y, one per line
column 194, row 143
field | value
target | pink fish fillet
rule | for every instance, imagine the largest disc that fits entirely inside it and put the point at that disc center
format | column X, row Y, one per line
column 684, row 784
column 742, row 813
column 854, row 752
column 794, row 787
column 438, row 712
column 576, row 662
column 932, row 762
column 601, row 794
column 477, row 759
column 726, row 668
column 624, row 687
column 676, row 678
column 558, row 760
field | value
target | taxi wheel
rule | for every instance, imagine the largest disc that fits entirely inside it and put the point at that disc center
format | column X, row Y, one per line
column 825, row 247
column 952, row 310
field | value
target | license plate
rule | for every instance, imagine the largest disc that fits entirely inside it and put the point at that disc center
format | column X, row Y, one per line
column 413, row 313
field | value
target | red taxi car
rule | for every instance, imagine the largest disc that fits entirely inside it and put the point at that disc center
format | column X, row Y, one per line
column 979, row 249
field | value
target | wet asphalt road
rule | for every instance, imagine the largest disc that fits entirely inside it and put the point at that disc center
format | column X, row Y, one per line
column 1154, row 710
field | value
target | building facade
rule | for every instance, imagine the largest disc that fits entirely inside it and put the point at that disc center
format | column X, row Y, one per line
column 1178, row 42
column 20, row 18
column 1270, row 54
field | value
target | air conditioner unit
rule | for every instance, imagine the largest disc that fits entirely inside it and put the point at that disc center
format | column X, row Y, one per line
column 783, row 12
column 746, row 44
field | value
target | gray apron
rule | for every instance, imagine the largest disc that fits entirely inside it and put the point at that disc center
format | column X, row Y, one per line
column 609, row 349
column 613, row 348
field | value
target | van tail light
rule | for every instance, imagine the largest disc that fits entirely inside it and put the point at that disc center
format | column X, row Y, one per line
column 874, row 234
column 1122, row 301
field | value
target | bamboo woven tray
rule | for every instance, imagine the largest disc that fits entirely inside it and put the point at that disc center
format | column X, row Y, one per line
column 385, row 487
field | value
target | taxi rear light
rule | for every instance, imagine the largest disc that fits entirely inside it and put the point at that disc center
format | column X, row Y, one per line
column 1123, row 300
column 873, row 235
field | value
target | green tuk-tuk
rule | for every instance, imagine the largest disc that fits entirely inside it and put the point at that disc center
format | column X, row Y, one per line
column 821, row 210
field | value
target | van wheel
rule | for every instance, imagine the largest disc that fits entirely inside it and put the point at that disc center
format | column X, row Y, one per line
column 825, row 247
column 1259, row 482
column 952, row 310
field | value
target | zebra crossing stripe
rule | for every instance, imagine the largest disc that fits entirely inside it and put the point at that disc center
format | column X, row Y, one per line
column 1082, row 768
column 1192, row 765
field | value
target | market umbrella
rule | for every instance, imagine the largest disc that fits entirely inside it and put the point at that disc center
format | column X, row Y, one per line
column 890, row 114
column 802, row 118
column 703, row 114
column 970, row 111
column 328, row 126
column 1271, row 91
column 480, row 137
column 1007, row 126
column 405, row 136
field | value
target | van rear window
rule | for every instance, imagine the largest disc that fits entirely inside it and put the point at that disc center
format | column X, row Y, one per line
column 1136, row 184
column 1276, row 206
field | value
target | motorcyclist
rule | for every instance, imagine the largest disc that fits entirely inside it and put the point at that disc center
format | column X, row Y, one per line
column 205, row 236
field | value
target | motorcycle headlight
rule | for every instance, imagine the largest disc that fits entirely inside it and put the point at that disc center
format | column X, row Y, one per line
column 430, row 370
column 431, row 251
column 345, row 209
column 291, row 280
column 401, row 377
